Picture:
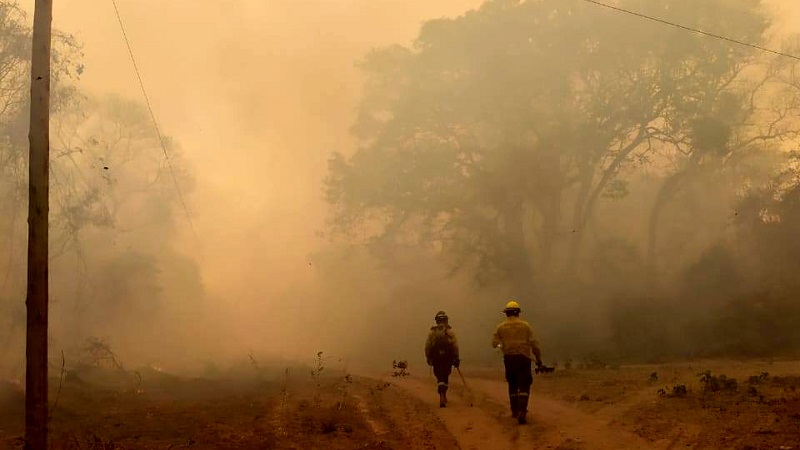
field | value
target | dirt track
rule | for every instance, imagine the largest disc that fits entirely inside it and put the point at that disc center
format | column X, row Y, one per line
column 579, row 409
column 622, row 409
column 479, row 419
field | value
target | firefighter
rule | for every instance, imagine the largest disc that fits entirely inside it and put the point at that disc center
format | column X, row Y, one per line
column 519, row 346
column 441, row 352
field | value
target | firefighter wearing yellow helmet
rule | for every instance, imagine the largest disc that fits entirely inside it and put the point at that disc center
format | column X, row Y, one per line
column 519, row 346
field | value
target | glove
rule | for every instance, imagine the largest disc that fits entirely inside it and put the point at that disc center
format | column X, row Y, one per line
column 456, row 363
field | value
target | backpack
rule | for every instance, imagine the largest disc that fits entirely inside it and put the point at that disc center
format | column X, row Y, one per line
column 441, row 347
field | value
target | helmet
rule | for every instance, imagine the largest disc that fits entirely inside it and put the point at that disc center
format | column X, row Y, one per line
column 512, row 306
column 440, row 317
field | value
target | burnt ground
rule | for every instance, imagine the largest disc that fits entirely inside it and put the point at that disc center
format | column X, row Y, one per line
column 148, row 409
column 295, row 408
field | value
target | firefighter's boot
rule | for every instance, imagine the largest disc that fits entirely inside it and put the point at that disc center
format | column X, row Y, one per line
column 522, row 408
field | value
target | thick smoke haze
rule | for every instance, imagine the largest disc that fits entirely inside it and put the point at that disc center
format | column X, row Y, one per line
column 258, row 95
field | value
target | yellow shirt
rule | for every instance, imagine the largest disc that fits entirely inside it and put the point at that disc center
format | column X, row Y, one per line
column 516, row 338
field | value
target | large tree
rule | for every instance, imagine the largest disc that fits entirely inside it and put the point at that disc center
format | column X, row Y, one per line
column 492, row 140
column 734, row 136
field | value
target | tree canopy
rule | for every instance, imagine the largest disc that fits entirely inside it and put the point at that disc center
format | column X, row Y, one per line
column 492, row 140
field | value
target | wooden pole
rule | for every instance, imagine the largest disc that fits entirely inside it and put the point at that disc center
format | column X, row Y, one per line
column 38, row 212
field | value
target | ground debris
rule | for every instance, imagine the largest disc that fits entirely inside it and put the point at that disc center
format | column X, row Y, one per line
column 720, row 383
column 400, row 368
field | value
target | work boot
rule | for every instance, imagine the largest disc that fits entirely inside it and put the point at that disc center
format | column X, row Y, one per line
column 522, row 409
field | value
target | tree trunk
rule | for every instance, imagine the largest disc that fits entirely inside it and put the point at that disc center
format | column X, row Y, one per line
column 668, row 190
column 520, row 271
column 550, row 187
column 579, row 221
column 38, row 212
column 588, row 196
column 551, row 212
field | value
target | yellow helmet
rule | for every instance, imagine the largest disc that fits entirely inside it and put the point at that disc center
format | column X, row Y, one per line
column 512, row 306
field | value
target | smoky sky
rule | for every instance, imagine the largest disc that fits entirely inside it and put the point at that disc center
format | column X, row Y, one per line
column 258, row 94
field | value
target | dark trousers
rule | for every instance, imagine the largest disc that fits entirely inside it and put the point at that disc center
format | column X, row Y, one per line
column 442, row 370
column 519, row 378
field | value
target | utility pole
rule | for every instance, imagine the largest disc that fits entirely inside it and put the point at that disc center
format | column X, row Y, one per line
column 38, row 211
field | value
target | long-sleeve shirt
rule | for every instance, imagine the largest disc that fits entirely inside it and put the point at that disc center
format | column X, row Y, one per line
column 516, row 338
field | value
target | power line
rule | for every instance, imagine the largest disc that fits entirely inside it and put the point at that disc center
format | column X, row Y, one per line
column 693, row 30
column 155, row 122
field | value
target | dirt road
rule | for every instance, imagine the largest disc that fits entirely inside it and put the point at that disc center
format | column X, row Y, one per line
column 624, row 408
column 478, row 418
column 629, row 408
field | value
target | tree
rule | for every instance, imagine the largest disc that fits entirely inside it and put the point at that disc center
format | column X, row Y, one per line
column 15, row 81
column 110, row 191
column 766, row 223
column 492, row 140
column 15, row 54
column 115, row 208
column 736, row 132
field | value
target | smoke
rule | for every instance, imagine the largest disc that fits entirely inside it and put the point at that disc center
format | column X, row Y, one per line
column 258, row 95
